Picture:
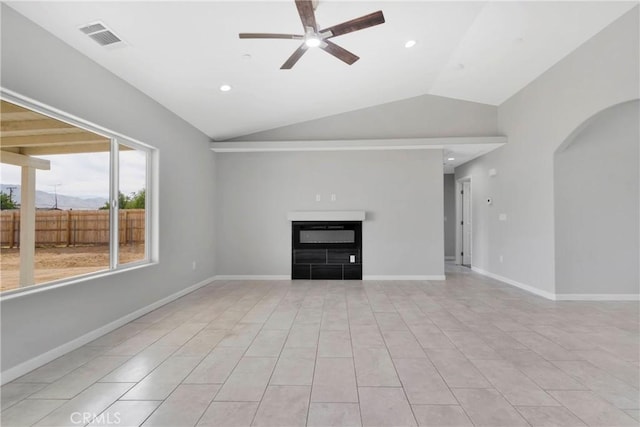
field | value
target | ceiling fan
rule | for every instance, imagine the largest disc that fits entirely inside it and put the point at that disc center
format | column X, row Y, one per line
column 320, row 38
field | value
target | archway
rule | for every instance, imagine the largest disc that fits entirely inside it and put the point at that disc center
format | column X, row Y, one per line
column 597, row 205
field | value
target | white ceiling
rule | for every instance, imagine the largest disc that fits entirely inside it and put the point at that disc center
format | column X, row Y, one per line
column 179, row 53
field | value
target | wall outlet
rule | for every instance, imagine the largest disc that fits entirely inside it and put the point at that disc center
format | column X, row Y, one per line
column 317, row 197
column 333, row 197
column 193, row 265
column 501, row 258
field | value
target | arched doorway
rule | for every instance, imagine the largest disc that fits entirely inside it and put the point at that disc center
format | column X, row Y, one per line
column 597, row 205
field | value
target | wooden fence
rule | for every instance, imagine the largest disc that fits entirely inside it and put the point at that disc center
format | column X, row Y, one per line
column 70, row 228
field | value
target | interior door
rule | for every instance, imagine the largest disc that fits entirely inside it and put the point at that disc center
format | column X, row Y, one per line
column 466, row 223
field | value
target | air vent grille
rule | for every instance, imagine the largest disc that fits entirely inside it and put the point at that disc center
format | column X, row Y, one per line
column 92, row 28
column 99, row 33
column 104, row 38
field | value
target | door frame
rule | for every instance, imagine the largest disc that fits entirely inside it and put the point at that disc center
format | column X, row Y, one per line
column 459, row 235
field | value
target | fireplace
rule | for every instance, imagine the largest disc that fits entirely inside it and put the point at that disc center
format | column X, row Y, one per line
column 326, row 250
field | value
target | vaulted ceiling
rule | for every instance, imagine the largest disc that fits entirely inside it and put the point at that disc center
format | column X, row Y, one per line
column 180, row 53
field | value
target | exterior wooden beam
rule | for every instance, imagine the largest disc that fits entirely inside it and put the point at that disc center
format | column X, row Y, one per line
column 42, row 126
column 101, row 147
column 24, row 161
column 51, row 139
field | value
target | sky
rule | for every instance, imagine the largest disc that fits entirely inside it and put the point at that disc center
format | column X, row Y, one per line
column 83, row 175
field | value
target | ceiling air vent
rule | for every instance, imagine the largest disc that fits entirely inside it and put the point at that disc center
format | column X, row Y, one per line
column 100, row 34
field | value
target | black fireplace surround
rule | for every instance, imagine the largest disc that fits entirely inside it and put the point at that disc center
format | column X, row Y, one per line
column 326, row 250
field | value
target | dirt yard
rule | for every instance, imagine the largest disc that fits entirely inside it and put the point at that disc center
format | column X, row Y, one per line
column 55, row 263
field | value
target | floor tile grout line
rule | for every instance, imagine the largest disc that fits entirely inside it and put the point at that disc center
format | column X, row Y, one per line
column 277, row 358
column 400, row 379
column 441, row 377
column 210, row 351
column 355, row 373
column 396, row 296
column 315, row 362
column 404, row 392
column 189, row 373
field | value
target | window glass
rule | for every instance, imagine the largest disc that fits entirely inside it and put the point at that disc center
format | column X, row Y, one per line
column 132, row 204
column 69, row 173
column 72, row 216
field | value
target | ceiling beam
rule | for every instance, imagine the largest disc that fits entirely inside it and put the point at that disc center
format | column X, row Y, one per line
column 51, row 140
column 17, row 116
column 43, row 125
column 22, row 160
column 7, row 107
column 97, row 147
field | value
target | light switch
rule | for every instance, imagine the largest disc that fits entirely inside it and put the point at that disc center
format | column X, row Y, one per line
column 352, row 258
column 333, row 197
column 317, row 197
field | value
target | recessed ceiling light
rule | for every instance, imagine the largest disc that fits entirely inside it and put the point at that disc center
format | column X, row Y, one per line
column 225, row 88
column 451, row 158
column 410, row 43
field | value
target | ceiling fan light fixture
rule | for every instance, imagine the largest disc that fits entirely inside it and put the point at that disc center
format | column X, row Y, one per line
column 410, row 43
column 312, row 41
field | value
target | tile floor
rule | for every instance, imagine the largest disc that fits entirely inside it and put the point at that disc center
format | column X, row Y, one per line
column 461, row 352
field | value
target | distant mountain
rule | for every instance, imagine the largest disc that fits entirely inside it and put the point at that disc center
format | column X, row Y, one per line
column 46, row 200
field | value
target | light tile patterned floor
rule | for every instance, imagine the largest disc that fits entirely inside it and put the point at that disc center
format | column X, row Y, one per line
column 461, row 352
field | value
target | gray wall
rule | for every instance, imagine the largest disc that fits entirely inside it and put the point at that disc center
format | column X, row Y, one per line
column 40, row 66
column 449, row 215
column 597, row 205
column 600, row 73
column 420, row 117
column 401, row 191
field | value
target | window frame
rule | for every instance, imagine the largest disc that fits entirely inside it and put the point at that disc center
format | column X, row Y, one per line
column 151, row 183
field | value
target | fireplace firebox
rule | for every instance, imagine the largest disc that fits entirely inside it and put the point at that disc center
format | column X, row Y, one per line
column 326, row 250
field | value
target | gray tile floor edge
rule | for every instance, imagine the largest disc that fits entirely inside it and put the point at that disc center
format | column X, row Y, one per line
column 468, row 350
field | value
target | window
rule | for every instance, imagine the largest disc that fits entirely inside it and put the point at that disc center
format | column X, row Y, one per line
column 75, row 197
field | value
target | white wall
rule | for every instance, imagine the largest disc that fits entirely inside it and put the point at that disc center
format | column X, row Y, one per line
column 600, row 73
column 401, row 192
column 40, row 66
column 420, row 117
column 597, row 205
column 449, row 215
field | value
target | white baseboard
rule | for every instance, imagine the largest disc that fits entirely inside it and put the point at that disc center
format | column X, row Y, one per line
column 597, row 297
column 531, row 289
column 287, row 277
column 450, row 258
column 44, row 358
column 559, row 297
column 428, row 277
column 252, row 277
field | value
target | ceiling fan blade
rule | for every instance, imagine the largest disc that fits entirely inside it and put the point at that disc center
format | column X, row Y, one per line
column 270, row 36
column 294, row 57
column 366, row 21
column 339, row 52
column 307, row 15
